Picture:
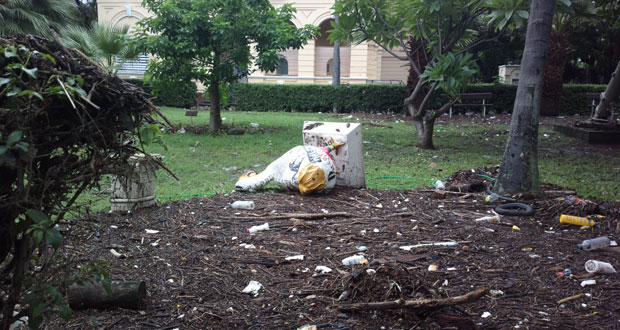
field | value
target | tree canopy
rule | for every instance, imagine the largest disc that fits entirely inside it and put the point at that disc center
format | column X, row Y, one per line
column 36, row 17
column 216, row 41
column 442, row 31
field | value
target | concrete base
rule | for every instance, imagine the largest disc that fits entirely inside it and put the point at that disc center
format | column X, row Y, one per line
column 590, row 135
column 348, row 158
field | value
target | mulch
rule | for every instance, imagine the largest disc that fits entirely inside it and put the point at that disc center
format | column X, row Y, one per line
column 202, row 258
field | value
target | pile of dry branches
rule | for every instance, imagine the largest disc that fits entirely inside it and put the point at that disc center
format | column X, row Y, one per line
column 64, row 122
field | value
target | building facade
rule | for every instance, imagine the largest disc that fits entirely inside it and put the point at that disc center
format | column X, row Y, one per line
column 313, row 64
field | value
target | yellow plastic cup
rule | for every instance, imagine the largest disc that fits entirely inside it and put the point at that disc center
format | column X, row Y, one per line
column 574, row 220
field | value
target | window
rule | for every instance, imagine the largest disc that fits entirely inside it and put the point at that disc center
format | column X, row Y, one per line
column 330, row 66
column 136, row 66
column 282, row 69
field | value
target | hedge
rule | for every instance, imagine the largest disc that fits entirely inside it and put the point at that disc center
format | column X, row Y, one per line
column 168, row 93
column 382, row 98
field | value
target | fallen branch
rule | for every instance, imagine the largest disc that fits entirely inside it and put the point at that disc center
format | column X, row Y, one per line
column 415, row 304
column 301, row 216
column 561, row 301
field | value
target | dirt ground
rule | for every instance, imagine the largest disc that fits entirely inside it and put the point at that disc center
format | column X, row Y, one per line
column 202, row 257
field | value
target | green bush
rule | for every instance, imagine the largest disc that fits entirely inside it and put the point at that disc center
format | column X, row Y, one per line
column 173, row 93
column 382, row 98
column 319, row 98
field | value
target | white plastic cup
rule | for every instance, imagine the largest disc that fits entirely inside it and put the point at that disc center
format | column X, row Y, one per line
column 244, row 205
column 595, row 266
column 254, row 229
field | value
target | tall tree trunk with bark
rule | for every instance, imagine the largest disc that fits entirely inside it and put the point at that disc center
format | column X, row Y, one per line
column 559, row 49
column 215, row 119
column 519, row 169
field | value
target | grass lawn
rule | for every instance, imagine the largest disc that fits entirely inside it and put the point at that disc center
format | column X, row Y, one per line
column 208, row 165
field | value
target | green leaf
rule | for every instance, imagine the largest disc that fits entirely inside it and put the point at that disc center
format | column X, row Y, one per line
column 49, row 57
column 33, row 93
column 53, row 237
column 4, row 81
column 31, row 72
column 14, row 91
column 3, row 149
column 523, row 14
column 10, row 52
column 65, row 312
column 36, row 215
column 37, row 236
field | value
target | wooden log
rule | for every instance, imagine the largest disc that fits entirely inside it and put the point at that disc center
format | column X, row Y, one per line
column 127, row 294
column 415, row 304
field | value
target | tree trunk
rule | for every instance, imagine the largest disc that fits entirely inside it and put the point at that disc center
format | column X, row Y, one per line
column 603, row 109
column 554, row 72
column 519, row 169
column 93, row 295
column 425, row 141
column 215, row 120
column 336, row 66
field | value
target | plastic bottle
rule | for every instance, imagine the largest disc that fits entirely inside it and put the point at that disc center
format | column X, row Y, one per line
column 244, row 205
column 594, row 244
column 579, row 221
column 254, row 229
column 595, row 266
column 354, row 260
column 439, row 185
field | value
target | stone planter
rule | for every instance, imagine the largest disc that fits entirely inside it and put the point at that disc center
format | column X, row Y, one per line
column 136, row 188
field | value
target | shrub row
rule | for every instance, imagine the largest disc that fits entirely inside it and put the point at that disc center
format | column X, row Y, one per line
column 349, row 98
column 381, row 98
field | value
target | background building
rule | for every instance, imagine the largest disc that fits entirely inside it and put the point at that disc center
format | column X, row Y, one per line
column 364, row 63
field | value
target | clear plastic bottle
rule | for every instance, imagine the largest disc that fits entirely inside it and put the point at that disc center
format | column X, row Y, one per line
column 594, row 244
column 439, row 185
column 244, row 205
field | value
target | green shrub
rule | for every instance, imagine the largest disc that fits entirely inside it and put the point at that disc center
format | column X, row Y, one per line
column 173, row 93
column 383, row 98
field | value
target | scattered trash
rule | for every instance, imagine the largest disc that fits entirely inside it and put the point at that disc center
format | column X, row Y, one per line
column 247, row 246
column 409, row 247
column 566, row 271
column 515, row 228
column 307, row 327
column 116, row 254
column 574, row 220
column 439, row 185
column 243, row 205
column 181, row 131
column 361, row 248
column 371, row 271
column 297, row 257
column 151, row 231
column 252, row 288
column 354, row 260
column 254, row 229
column 254, row 125
column 490, row 218
column 496, row 292
column 485, row 315
column 343, row 295
column 114, row 227
column 594, row 244
column 576, row 200
column 595, row 266
column 322, row 269
column 587, row 282
column 432, row 267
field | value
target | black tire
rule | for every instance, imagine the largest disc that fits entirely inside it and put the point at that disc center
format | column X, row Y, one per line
column 518, row 209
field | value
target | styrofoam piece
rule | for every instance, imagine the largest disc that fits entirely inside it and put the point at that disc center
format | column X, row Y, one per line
column 349, row 158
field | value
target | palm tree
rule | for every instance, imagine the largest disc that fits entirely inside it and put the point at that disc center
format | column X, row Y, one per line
column 108, row 45
column 36, row 17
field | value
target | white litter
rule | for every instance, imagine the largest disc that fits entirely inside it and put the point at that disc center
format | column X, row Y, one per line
column 409, row 247
column 151, row 231
column 253, row 288
column 297, row 257
column 322, row 269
